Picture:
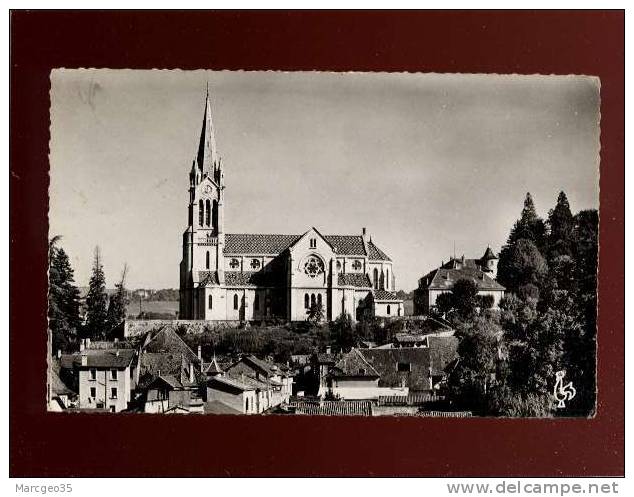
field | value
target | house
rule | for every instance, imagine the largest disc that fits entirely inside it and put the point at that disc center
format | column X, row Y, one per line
column 240, row 394
column 166, row 394
column 104, row 378
column 278, row 377
column 372, row 373
column 254, row 277
column 483, row 272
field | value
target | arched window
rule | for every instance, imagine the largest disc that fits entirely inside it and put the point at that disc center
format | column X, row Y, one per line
column 235, row 301
column 247, row 408
column 388, row 310
column 214, row 215
column 312, row 299
column 210, row 301
column 306, row 301
column 256, row 302
column 207, row 260
column 319, row 299
column 201, row 212
column 376, row 278
column 207, row 212
column 387, row 279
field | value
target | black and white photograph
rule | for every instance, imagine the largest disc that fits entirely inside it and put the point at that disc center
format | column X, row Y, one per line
column 323, row 244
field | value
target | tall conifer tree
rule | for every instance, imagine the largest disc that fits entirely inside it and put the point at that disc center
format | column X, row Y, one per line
column 97, row 300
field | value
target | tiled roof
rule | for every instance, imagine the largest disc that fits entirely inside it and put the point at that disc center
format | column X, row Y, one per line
column 488, row 254
column 334, row 408
column 385, row 295
column 218, row 407
column 232, row 383
column 251, row 278
column 213, row 367
column 168, row 379
column 101, row 358
column 386, row 361
column 324, row 358
column 258, row 244
column 355, row 365
column 360, row 280
column 275, row 244
column 346, row 244
column 208, row 278
column 375, row 253
column 444, row 279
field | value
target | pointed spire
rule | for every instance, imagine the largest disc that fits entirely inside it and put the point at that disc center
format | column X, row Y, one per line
column 207, row 157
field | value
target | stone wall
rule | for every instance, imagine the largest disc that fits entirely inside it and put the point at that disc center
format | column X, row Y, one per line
column 140, row 327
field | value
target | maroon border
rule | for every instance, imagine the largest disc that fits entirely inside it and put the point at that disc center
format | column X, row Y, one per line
column 580, row 42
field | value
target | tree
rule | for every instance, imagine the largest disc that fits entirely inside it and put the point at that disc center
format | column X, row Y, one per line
column 529, row 226
column 97, row 300
column 315, row 313
column 118, row 303
column 477, row 370
column 464, row 296
column 63, row 299
column 561, row 224
column 343, row 333
column 523, row 265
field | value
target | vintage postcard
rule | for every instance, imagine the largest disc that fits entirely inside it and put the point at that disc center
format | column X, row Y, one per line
column 314, row 243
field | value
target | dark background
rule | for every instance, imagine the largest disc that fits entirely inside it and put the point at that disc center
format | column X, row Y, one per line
column 557, row 42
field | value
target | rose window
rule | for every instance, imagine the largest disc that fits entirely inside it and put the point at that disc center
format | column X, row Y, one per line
column 313, row 266
column 255, row 264
column 234, row 263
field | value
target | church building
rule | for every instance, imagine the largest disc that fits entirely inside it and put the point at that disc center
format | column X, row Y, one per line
column 253, row 277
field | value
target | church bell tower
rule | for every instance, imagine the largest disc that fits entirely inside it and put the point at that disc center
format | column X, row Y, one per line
column 203, row 240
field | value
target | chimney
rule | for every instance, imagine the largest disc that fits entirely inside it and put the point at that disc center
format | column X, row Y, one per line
column 82, row 345
column 200, row 353
column 84, row 359
column 328, row 350
column 363, row 232
column 87, row 343
column 191, row 373
column 59, row 353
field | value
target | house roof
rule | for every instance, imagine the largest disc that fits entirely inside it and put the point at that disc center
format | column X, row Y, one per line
column 58, row 387
column 354, row 364
column 444, row 279
column 230, row 382
column 100, row 358
column 386, row 361
column 324, row 358
column 359, row 280
column 169, row 380
column 218, row 407
column 273, row 244
column 385, row 296
column 334, row 408
column 213, row 367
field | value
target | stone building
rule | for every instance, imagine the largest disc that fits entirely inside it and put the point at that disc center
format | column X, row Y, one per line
column 483, row 272
column 250, row 277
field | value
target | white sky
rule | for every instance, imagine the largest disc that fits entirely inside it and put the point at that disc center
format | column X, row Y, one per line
column 421, row 160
